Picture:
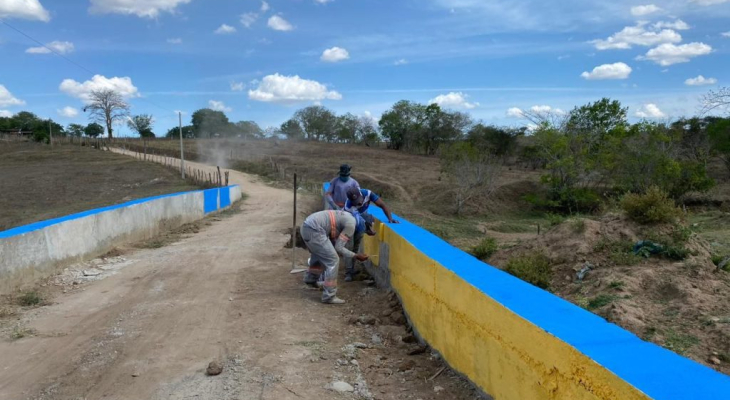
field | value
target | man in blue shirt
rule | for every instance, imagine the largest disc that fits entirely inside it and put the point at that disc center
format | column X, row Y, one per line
column 336, row 195
column 357, row 204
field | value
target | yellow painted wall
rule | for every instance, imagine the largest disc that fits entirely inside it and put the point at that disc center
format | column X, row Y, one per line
column 505, row 355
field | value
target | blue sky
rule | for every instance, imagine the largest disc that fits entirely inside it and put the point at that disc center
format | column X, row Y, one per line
column 263, row 60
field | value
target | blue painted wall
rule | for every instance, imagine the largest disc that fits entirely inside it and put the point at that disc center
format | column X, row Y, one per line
column 210, row 205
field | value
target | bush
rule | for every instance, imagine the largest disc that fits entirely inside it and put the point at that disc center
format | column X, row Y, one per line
column 601, row 300
column 29, row 299
column 533, row 268
column 652, row 207
column 485, row 248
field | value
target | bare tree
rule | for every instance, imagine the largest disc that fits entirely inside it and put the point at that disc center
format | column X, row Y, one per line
column 107, row 106
column 472, row 172
column 716, row 99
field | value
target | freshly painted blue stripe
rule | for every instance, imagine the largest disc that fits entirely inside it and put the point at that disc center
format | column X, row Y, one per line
column 657, row 372
column 210, row 203
column 20, row 230
column 43, row 224
column 225, row 196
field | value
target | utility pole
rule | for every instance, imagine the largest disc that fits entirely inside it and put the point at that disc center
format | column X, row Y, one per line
column 182, row 152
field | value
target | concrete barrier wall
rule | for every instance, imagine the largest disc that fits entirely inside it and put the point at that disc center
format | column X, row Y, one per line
column 30, row 251
column 516, row 341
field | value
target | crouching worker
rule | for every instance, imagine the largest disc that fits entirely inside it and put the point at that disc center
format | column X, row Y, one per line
column 326, row 234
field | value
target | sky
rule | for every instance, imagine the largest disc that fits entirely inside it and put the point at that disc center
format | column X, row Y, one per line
column 263, row 60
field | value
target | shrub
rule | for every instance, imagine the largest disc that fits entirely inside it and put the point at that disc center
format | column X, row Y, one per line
column 533, row 268
column 601, row 300
column 555, row 219
column 485, row 248
column 654, row 206
column 29, row 299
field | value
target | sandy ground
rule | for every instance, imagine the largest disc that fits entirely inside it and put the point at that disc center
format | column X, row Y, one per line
column 149, row 330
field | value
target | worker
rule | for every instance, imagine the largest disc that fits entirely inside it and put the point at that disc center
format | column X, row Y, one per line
column 326, row 234
column 358, row 202
column 337, row 192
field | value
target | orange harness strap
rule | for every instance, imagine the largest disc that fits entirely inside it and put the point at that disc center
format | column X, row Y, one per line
column 333, row 226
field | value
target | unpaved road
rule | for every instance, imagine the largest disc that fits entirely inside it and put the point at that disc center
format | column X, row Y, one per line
column 149, row 331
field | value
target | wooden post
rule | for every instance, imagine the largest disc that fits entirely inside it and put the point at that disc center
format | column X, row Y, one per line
column 220, row 179
column 294, row 228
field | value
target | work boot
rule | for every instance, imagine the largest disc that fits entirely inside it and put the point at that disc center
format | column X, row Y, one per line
column 334, row 300
column 349, row 278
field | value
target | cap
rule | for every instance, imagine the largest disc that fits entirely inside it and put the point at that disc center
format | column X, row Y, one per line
column 355, row 196
column 345, row 170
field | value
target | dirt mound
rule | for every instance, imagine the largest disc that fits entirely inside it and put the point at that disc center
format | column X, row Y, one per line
column 676, row 298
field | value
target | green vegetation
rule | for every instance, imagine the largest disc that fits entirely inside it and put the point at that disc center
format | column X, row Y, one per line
column 485, row 248
column 620, row 252
column 578, row 225
column 21, row 332
column 29, row 299
column 533, row 268
column 678, row 342
column 618, row 285
column 600, row 301
column 652, row 207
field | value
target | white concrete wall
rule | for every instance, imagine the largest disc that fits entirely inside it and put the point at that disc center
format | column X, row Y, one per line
column 33, row 253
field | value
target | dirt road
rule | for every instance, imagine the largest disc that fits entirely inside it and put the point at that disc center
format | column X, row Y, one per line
column 225, row 293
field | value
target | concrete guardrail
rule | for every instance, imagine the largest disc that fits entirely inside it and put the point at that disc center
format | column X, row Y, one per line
column 516, row 341
column 31, row 251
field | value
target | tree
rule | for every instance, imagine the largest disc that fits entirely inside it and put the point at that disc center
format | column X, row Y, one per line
column 141, row 125
column 719, row 134
column 501, row 142
column 75, row 130
column 440, row 127
column 207, row 122
column 367, row 132
column 471, row 172
column 94, row 130
column 716, row 100
column 292, row 129
column 249, row 129
column 188, row 132
column 347, row 128
column 401, row 124
column 107, row 106
column 317, row 122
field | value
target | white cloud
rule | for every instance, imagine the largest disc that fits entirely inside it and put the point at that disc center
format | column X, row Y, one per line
column 278, row 23
column 291, row 89
column 516, row 112
column 219, row 106
column 174, row 41
column 650, row 110
column 248, row 19
column 402, row 61
column 637, row 35
column 700, row 81
column 24, row 9
column 238, row 86
column 7, row 98
column 123, row 86
column 265, row 7
column 68, row 112
column 617, row 70
column 639, row 11
column 335, row 54
column 669, row 54
column 453, row 100
column 58, row 47
column 140, row 8
column 6, row 114
column 709, row 2
column 225, row 30
column 725, row 34
column 677, row 24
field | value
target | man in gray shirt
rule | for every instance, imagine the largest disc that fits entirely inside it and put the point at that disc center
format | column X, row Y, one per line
column 326, row 234
column 337, row 193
